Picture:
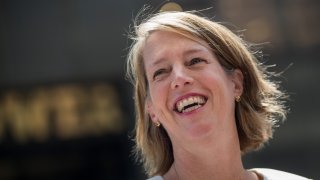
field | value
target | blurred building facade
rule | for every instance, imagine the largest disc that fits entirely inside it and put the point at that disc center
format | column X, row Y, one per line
column 66, row 111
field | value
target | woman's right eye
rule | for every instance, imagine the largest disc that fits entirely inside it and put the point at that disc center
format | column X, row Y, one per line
column 158, row 73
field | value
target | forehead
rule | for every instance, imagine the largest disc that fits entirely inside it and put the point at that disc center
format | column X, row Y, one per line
column 162, row 44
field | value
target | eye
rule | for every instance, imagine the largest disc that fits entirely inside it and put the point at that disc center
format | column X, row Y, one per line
column 195, row 61
column 158, row 73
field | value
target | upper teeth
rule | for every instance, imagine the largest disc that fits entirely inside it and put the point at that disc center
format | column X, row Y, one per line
column 183, row 103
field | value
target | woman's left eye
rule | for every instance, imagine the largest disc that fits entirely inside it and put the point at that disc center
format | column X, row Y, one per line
column 195, row 61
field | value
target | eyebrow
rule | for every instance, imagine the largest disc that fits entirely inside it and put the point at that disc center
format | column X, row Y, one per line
column 187, row 52
column 196, row 50
column 158, row 61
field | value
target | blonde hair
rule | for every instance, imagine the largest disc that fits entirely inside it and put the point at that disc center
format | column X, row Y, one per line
column 261, row 104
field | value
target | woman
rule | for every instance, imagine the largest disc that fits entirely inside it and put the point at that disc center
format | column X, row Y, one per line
column 202, row 100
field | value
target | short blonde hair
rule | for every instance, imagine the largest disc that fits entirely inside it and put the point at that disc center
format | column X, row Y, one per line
column 261, row 104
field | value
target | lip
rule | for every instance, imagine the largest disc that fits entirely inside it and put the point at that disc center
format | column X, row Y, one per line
column 186, row 96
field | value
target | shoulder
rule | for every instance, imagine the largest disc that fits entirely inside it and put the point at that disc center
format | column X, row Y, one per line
column 156, row 178
column 272, row 174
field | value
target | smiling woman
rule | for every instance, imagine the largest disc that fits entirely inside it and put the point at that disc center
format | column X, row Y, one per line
column 209, row 98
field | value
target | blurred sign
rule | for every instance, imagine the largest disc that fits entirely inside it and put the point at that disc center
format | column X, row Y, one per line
column 63, row 111
column 171, row 6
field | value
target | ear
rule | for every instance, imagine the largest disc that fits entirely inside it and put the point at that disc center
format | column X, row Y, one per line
column 237, row 79
column 150, row 110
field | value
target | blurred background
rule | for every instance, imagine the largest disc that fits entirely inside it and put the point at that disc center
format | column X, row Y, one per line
column 66, row 111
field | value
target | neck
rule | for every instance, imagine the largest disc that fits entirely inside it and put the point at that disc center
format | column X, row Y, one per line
column 221, row 161
column 208, row 165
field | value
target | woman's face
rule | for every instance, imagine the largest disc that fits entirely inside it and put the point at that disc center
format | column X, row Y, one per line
column 190, row 93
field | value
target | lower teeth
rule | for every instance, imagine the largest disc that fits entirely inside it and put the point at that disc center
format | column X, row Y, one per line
column 191, row 108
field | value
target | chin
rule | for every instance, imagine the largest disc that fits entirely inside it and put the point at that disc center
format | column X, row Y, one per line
column 200, row 131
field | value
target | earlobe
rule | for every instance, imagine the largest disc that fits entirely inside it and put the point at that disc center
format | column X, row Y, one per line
column 150, row 111
column 154, row 118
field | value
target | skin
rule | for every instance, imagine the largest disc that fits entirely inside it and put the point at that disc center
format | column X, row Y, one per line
column 205, row 141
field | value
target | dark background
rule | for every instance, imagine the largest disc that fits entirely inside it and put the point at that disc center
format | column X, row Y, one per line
column 52, row 44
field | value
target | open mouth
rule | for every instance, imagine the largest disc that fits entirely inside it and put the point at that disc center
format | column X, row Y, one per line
column 190, row 103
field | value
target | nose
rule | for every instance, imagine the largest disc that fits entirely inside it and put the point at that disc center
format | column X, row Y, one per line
column 181, row 78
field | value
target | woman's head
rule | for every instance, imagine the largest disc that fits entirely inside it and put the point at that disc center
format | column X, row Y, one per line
column 254, row 115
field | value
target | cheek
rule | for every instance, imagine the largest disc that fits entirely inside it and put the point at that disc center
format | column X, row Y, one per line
column 219, row 85
column 158, row 94
column 213, row 80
